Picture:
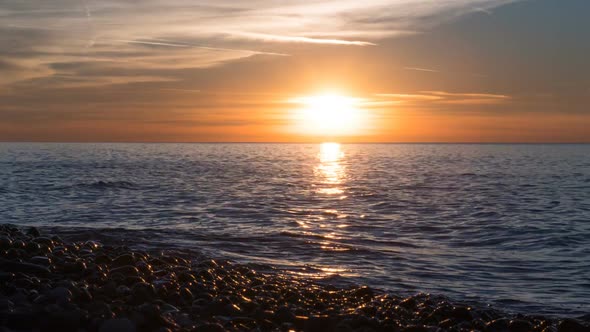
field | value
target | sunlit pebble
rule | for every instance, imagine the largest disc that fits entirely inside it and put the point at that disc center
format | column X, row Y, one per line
column 233, row 283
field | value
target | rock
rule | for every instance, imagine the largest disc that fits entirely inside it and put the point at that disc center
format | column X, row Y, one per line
column 102, row 259
column 363, row 292
column 18, row 244
column 520, row 325
column 142, row 292
column 416, row 328
column 126, row 270
column 168, row 308
column 20, row 320
column 319, row 324
column 9, row 266
column 61, row 295
column 100, row 309
column 209, row 327
column 498, row 325
column 64, row 321
column 6, row 276
column 284, row 314
column 571, row 325
column 446, row 324
column 40, row 260
column 408, row 303
column 123, row 290
column 34, row 232
column 123, row 260
column 56, row 239
column 78, row 267
column 186, row 295
column 461, row 314
column 68, row 288
column 6, row 305
column 5, row 243
column 19, row 297
column 42, row 300
column 43, row 241
column 184, row 320
column 118, row 325
column 32, row 247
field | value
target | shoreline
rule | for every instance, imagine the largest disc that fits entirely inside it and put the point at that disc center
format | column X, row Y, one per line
column 48, row 284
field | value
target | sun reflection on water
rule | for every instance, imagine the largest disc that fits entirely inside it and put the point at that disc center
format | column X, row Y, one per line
column 325, row 224
column 330, row 170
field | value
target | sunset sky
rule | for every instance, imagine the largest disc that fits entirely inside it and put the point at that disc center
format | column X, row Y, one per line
column 221, row 70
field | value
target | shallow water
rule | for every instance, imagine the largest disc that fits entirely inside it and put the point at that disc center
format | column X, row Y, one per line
column 502, row 224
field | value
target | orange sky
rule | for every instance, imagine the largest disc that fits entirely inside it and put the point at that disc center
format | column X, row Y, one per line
column 458, row 71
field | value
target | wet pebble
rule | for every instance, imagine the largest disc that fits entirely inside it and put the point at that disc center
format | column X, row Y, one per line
column 118, row 325
column 48, row 284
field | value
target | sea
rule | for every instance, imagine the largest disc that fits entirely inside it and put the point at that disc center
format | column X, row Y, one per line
column 506, row 225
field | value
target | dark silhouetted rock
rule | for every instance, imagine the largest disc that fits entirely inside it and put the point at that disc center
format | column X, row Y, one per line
column 570, row 325
column 118, row 325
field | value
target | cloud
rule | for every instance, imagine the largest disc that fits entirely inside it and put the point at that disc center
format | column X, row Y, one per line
column 441, row 98
column 422, row 69
column 300, row 39
column 185, row 34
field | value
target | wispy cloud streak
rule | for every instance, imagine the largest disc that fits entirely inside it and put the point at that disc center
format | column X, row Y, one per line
column 301, row 39
column 185, row 34
column 422, row 69
column 441, row 97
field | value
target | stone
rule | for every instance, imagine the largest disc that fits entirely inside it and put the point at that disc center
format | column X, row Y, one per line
column 34, row 232
column 284, row 314
column 6, row 304
column 571, row 325
column 102, row 259
column 6, row 276
column 497, row 325
column 363, row 292
column 5, row 243
column 118, row 325
column 319, row 324
column 43, row 241
column 61, row 295
column 408, row 303
column 461, row 314
column 520, row 325
column 416, row 328
column 126, row 270
column 123, row 260
column 209, row 327
column 168, row 308
column 9, row 266
column 19, row 320
column 32, row 247
column 142, row 292
column 40, row 260
column 63, row 321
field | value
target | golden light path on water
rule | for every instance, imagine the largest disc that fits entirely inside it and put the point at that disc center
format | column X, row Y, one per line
column 330, row 176
column 330, row 170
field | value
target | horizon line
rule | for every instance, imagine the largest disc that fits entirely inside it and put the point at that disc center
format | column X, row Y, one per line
column 298, row 142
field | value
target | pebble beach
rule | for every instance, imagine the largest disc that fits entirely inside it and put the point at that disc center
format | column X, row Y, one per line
column 51, row 284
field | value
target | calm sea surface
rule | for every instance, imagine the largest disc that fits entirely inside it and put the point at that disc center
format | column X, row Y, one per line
column 502, row 224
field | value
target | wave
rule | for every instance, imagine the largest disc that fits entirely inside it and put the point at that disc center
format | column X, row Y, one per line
column 104, row 185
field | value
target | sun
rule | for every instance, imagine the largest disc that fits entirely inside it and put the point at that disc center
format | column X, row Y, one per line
column 329, row 115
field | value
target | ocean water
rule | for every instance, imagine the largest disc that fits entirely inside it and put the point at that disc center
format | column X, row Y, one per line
column 507, row 225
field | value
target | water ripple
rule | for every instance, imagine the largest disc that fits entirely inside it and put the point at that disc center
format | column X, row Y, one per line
column 504, row 224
